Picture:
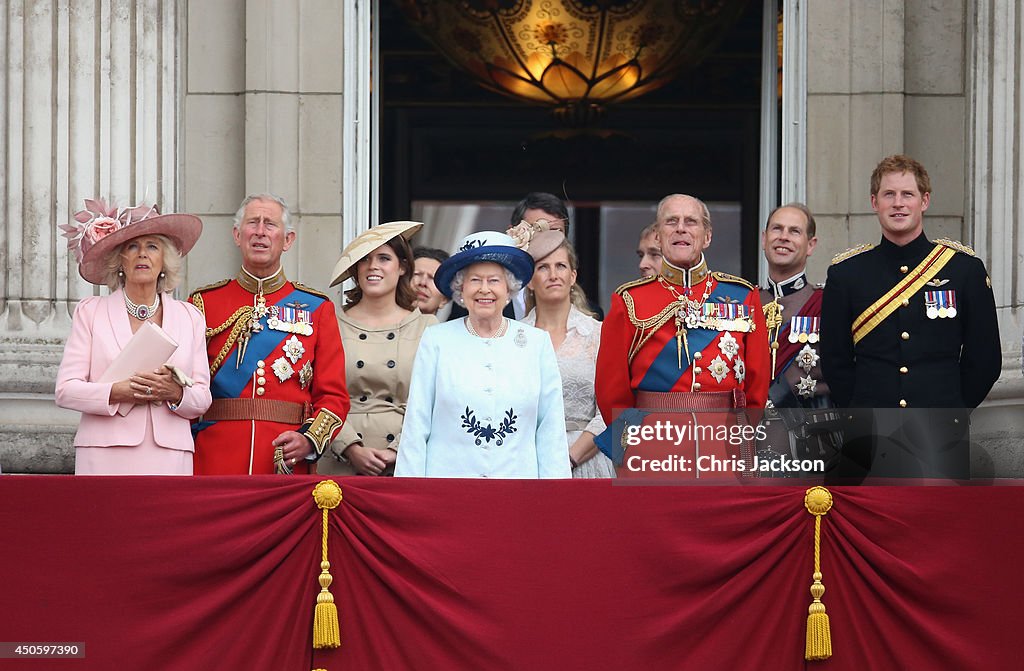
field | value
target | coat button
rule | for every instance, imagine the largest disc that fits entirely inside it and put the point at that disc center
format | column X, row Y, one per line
column 904, row 269
column 905, row 335
column 362, row 399
column 696, row 370
column 390, row 437
column 696, row 386
column 903, row 403
column 391, row 336
column 391, row 363
column 388, row 399
column 259, row 391
column 904, row 370
column 906, row 302
column 359, row 364
column 362, row 336
column 261, row 380
column 697, row 355
column 261, row 363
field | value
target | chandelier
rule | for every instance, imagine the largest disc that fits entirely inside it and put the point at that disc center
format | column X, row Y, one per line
column 575, row 56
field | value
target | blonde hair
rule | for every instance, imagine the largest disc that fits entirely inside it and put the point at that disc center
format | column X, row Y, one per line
column 113, row 276
column 577, row 297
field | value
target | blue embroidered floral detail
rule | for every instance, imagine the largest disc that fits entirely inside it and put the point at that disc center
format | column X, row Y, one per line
column 488, row 433
column 471, row 244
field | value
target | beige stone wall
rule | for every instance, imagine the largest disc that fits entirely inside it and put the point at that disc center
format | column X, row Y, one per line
column 263, row 112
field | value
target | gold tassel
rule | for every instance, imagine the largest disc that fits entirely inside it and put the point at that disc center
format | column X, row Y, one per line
column 818, row 502
column 326, row 633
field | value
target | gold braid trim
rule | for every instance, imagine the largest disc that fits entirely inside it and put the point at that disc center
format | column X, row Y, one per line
column 646, row 328
column 197, row 300
column 851, row 252
column 238, row 322
column 955, row 244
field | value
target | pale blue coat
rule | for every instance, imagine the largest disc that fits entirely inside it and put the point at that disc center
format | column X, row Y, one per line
column 484, row 408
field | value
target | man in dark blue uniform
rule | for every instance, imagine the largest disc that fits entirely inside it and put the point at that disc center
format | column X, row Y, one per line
column 908, row 329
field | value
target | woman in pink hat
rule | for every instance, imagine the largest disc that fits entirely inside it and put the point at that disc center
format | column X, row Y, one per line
column 138, row 425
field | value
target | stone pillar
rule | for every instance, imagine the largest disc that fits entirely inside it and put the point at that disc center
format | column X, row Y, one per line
column 263, row 113
column 89, row 109
column 995, row 208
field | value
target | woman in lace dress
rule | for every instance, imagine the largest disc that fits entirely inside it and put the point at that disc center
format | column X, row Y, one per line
column 559, row 307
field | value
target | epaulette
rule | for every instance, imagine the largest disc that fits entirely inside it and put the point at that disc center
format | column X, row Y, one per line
column 310, row 290
column 208, row 287
column 851, row 252
column 726, row 277
column 196, row 297
column 635, row 283
column 955, row 244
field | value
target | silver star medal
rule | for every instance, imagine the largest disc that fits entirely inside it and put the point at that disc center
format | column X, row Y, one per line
column 718, row 369
column 282, row 369
column 807, row 358
column 805, row 387
column 294, row 350
column 740, row 369
column 728, row 345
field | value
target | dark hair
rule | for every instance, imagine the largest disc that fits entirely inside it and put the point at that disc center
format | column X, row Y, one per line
column 438, row 255
column 538, row 200
column 405, row 295
column 812, row 228
column 901, row 164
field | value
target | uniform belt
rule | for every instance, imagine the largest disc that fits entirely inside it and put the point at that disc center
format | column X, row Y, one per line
column 259, row 409
column 691, row 400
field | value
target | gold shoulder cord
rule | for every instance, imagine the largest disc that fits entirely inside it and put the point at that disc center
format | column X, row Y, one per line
column 645, row 328
column 237, row 322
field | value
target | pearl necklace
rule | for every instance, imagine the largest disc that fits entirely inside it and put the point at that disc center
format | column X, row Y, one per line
column 497, row 334
column 141, row 312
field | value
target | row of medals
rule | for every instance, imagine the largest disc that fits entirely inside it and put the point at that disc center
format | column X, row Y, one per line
column 260, row 310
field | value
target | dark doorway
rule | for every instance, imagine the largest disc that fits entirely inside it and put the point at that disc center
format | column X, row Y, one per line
column 444, row 138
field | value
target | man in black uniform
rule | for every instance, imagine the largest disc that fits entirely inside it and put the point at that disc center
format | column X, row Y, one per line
column 908, row 325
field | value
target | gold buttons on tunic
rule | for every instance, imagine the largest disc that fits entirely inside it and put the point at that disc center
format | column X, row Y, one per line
column 261, row 380
column 259, row 391
column 904, row 269
column 905, row 335
column 261, row 363
column 696, row 386
column 697, row 355
column 903, row 403
column 906, row 302
column 696, row 370
column 904, row 370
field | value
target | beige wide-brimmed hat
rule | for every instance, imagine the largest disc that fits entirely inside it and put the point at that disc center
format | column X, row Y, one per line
column 369, row 241
column 99, row 229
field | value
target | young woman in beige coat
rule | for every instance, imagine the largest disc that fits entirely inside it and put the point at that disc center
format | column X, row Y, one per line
column 380, row 331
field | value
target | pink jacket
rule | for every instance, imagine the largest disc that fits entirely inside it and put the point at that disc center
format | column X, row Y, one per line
column 99, row 330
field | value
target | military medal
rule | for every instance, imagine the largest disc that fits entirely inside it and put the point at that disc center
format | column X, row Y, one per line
column 739, row 368
column 805, row 387
column 940, row 304
column 728, row 345
column 306, row 374
column 807, row 358
column 282, row 369
column 803, row 330
column 294, row 350
column 718, row 369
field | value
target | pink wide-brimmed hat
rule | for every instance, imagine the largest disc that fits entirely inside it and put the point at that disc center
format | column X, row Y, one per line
column 98, row 229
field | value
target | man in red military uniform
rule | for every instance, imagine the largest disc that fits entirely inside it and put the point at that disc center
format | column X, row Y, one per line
column 687, row 339
column 276, row 360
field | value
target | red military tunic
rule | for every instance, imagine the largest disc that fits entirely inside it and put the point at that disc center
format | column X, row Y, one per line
column 294, row 357
column 721, row 346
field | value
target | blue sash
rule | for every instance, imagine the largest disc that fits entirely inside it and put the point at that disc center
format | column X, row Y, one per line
column 664, row 372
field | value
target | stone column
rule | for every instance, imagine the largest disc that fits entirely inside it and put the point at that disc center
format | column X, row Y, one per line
column 89, row 109
column 995, row 207
column 263, row 113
